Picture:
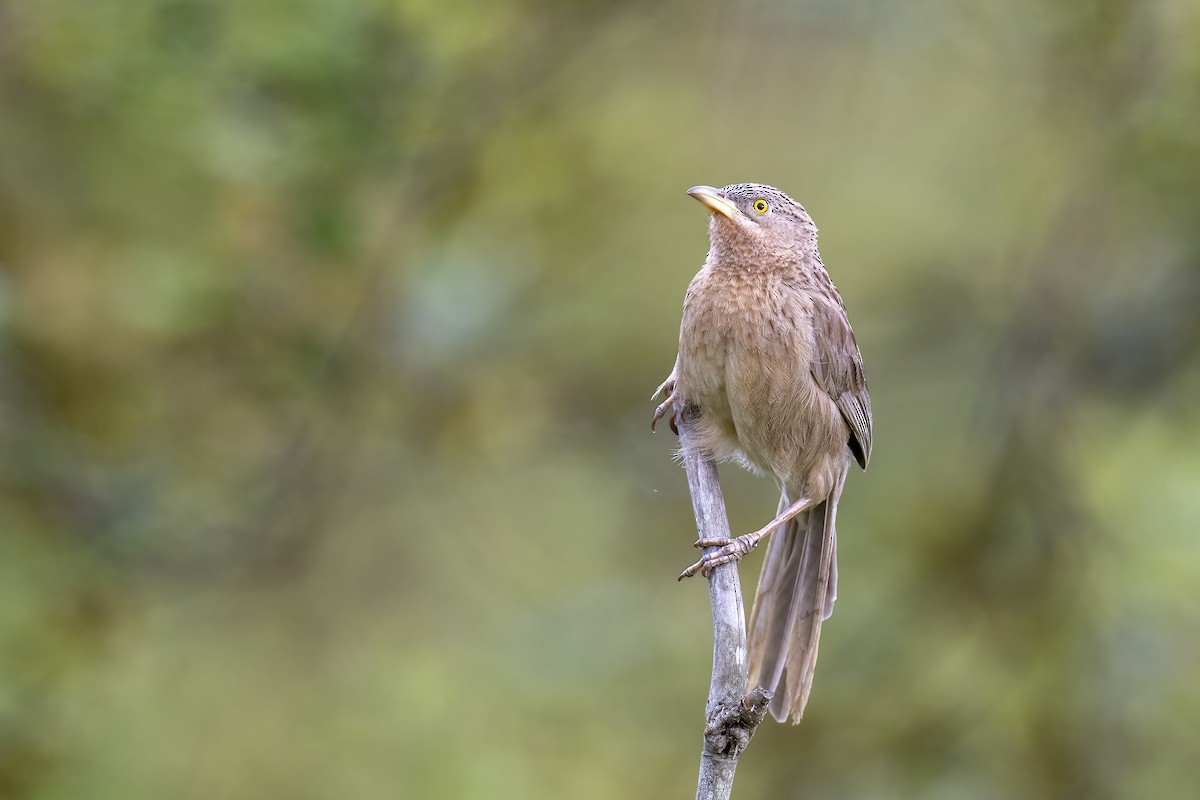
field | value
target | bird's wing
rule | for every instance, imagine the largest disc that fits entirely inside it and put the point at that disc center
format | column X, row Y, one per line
column 838, row 369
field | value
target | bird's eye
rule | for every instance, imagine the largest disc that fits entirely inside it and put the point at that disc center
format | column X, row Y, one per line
column 761, row 206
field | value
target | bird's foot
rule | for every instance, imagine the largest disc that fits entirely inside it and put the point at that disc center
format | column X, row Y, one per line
column 663, row 408
column 667, row 389
column 727, row 550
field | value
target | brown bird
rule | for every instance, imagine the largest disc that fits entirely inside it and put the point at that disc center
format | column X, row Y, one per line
column 769, row 375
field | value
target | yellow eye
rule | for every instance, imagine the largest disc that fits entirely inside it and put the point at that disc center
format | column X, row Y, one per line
column 761, row 206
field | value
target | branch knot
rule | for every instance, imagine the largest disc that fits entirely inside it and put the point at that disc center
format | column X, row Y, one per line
column 731, row 726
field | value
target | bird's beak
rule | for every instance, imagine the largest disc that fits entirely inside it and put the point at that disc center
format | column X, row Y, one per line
column 716, row 201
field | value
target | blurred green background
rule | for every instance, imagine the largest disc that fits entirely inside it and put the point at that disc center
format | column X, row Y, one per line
column 327, row 331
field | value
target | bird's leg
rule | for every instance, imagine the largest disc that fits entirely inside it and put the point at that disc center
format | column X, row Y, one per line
column 734, row 549
column 667, row 389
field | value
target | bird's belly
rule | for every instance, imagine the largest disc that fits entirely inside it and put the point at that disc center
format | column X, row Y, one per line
column 702, row 383
column 789, row 427
column 759, row 404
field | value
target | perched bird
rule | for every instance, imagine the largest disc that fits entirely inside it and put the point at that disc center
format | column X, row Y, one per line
column 769, row 375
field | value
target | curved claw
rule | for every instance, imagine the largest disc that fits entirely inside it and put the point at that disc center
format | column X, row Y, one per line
column 662, row 409
column 665, row 388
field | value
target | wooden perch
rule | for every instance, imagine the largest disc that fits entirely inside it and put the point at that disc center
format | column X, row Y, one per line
column 731, row 716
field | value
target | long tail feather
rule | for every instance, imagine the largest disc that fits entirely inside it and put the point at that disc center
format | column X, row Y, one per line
column 795, row 595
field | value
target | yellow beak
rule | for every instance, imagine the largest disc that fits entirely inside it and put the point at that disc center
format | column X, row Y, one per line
column 715, row 200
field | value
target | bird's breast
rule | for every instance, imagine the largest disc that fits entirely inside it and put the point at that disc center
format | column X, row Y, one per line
column 744, row 359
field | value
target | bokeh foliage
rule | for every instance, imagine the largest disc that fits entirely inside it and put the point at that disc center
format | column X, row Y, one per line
column 326, row 335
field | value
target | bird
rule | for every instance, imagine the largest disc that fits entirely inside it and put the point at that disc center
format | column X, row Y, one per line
column 769, row 375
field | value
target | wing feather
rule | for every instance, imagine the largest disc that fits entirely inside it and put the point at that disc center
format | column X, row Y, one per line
column 838, row 369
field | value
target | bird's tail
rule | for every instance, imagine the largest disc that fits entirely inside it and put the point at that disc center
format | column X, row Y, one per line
column 795, row 595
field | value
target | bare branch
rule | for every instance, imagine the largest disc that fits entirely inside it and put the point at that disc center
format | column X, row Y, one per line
column 731, row 716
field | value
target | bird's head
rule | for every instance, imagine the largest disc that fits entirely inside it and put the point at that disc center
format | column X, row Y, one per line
column 754, row 216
